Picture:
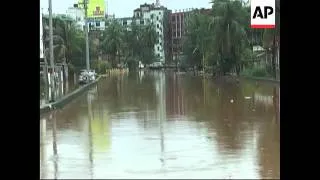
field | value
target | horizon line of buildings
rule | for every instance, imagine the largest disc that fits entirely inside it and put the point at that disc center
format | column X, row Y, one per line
column 170, row 26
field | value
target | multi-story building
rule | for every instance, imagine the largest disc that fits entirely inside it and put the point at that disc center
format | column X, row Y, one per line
column 127, row 21
column 159, row 17
column 178, row 24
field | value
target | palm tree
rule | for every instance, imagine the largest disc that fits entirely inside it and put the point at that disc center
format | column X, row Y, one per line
column 198, row 38
column 149, row 38
column 68, row 41
column 72, row 36
column 229, row 33
column 112, row 40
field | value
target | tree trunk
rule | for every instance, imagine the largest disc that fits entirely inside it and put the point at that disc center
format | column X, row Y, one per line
column 238, row 69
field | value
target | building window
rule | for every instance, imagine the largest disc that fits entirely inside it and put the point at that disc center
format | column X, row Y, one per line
column 159, row 13
column 158, row 54
column 157, row 18
column 141, row 22
column 160, row 44
column 124, row 23
column 157, row 25
column 158, row 48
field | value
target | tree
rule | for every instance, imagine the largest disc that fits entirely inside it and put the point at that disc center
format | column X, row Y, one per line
column 112, row 40
column 149, row 38
column 229, row 34
column 271, row 40
column 198, row 39
column 69, row 42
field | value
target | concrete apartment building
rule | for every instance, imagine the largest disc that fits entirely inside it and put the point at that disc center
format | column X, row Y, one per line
column 178, row 21
column 159, row 17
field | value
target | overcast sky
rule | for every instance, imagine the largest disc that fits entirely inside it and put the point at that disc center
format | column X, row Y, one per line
column 124, row 8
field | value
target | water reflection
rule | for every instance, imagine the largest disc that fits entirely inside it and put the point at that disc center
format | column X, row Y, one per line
column 164, row 125
column 43, row 131
column 90, row 117
column 54, row 144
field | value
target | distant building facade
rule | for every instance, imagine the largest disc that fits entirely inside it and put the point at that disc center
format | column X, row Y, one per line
column 77, row 14
column 159, row 17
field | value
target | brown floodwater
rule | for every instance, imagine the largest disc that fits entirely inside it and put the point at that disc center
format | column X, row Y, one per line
column 164, row 125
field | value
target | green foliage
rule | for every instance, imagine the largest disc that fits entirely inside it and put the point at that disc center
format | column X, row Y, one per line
column 69, row 41
column 224, row 39
column 198, row 39
column 112, row 39
column 101, row 66
column 256, row 72
column 134, row 43
column 218, row 39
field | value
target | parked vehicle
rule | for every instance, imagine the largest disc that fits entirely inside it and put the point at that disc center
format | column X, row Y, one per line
column 86, row 76
column 156, row 65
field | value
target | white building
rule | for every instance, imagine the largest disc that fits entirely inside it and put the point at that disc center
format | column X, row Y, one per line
column 150, row 13
column 76, row 14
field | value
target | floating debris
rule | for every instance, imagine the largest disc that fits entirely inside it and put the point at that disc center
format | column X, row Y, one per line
column 231, row 100
column 247, row 97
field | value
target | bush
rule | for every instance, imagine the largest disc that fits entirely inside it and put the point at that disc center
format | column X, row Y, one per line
column 256, row 72
column 259, row 72
column 101, row 66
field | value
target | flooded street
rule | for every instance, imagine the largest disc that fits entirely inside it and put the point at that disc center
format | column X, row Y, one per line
column 164, row 125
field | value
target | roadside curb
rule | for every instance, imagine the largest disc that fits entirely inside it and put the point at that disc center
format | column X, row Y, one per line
column 67, row 98
column 262, row 79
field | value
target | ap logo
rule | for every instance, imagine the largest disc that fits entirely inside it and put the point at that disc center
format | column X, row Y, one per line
column 263, row 14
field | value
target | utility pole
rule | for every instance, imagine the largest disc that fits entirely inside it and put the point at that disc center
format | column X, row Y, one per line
column 51, row 37
column 51, row 48
column 86, row 33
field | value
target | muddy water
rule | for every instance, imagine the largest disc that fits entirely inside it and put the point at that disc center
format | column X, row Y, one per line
column 164, row 125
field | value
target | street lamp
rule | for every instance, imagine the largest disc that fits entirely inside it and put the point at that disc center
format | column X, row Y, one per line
column 85, row 6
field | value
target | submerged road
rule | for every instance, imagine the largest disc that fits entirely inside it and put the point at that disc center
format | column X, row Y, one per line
column 164, row 125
